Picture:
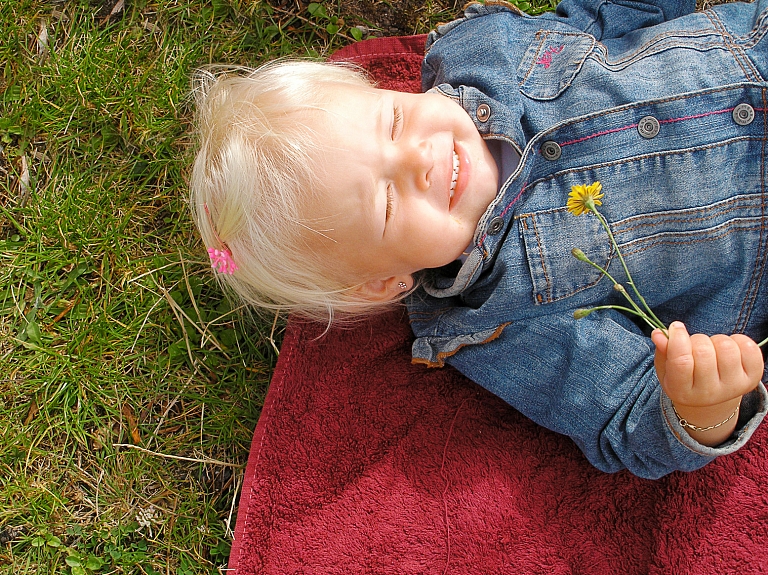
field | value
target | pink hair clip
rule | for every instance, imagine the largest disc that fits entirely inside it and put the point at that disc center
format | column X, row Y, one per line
column 221, row 259
column 222, row 262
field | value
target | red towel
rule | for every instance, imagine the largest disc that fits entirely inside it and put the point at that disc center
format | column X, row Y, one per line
column 363, row 463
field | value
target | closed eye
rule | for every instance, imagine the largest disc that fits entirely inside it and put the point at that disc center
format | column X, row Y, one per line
column 397, row 121
column 390, row 201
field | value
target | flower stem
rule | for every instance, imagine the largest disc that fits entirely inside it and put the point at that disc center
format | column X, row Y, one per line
column 623, row 308
column 635, row 308
column 655, row 321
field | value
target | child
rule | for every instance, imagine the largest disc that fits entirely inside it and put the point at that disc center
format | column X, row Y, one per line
column 320, row 194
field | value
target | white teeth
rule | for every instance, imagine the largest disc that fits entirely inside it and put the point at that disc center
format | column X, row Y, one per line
column 455, row 175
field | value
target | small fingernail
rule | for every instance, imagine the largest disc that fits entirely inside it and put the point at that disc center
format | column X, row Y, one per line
column 676, row 325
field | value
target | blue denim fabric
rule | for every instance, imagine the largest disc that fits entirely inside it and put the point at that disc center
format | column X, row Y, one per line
column 688, row 207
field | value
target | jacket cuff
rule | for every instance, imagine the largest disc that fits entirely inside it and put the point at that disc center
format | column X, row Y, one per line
column 754, row 407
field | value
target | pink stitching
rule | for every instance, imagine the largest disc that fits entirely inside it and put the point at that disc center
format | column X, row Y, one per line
column 669, row 121
column 546, row 58
column 506, row 209
column 695, row 116
column 603, row 133
column 517, row 197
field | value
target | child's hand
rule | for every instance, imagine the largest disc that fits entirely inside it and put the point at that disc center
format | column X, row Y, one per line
column 705, row 377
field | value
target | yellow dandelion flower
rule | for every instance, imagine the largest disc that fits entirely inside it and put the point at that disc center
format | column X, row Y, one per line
column 583, row 198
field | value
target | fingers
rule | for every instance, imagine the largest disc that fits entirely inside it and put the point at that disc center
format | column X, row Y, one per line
column 726, row 357
column 751, row 358
column 706, row 371
column 736, row 363
column 702, row 370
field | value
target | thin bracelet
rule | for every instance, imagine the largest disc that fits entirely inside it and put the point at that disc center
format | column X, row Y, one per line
column 684, row 422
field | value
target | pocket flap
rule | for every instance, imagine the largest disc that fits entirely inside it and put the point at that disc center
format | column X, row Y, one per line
column 551, row 63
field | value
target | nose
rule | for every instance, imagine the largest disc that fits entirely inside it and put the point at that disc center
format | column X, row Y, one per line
column 416, row 163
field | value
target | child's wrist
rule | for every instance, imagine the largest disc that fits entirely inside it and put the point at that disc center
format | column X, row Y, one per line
column 701, row 428
column 709, row 425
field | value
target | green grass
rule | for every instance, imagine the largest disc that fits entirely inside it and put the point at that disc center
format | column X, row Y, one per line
column 112, row 329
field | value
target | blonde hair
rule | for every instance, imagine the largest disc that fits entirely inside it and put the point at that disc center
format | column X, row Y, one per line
column 255, row 170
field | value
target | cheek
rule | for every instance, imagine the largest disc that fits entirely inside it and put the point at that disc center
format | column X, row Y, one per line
column 434, row 245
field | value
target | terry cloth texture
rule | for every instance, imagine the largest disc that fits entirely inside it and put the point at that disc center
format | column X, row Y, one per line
column 363, row 463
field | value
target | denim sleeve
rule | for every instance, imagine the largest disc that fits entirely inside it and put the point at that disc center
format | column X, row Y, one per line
column 594, row 380
column 606, row 19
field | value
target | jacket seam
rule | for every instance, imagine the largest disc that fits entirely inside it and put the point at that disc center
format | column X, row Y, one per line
column 757, row 275
column 648, row 220
column 657, row 102
column 656, row 45
column 640, row 157
column 738, row 54
column 665, row 121
column 707, row 236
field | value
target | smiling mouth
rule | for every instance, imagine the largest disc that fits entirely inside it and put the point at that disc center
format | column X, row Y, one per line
column 455, row 175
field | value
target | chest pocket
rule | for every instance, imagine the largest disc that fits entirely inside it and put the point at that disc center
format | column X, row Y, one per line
column 549, row 237
column 710, row 253
column 551, row 63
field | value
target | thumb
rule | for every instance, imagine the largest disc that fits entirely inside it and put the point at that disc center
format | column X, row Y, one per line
column 661, row 342
column 678, row 358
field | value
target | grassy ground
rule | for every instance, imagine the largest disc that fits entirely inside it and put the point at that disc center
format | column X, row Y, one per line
column 129, row 389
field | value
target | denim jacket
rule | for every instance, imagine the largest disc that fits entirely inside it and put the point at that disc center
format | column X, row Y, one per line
column 667, row 109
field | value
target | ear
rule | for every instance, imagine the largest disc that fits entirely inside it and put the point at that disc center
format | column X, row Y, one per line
column 385, row 289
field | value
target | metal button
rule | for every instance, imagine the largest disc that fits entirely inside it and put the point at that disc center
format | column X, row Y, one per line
column 483, row 112
column 743, row 114
column 648, row 127
column 551, row 150
column 495, row 226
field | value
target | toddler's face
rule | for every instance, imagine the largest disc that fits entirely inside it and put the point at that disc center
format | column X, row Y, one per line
column 408, row 178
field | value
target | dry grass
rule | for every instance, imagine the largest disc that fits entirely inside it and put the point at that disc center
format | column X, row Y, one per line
column 129, row 389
